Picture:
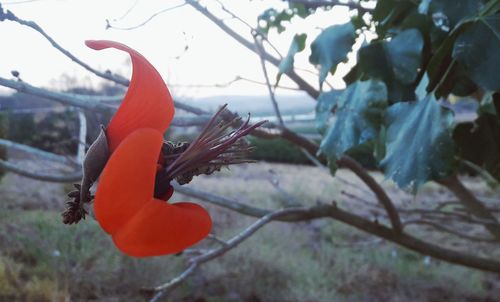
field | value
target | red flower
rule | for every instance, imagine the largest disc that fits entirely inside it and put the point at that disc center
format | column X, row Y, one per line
column 125, row 207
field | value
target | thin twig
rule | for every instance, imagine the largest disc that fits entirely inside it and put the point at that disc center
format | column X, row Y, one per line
column 34, row 151
column 252, row 29
column 250, row 46
column 260, row 51
column 442, row 228
column 108, row 24
column 287, row 200
column 361, row 223
column 216, row 239
column 379, row 192
column 197, row 261
column 474, row 205
column 226, row 84
column 8, row 15
column 49, row 177
column 102, row 102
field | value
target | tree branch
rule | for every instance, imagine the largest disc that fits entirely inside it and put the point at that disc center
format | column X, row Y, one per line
column 108, row 24
column 471, row 203
column 8, row 15
column 197, row 261
column 381, row 195
column 260, row 52
column 72, row 177
column 76, row 100
column 332, row 211
column 37, row 152
column 442, row 228
column 101, row 102
column 250, row 46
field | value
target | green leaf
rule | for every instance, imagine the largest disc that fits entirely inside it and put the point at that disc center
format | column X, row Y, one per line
column 405, row 54
column 331, row 47
column 418, row 143
column 478, row 50
column 324, row 109
column 286, row 65
column 421, row 91
column 271, row 18
column 487, row 106
column 437, row 69
column 390, row 13
column 395, row 62
column 448, row 13
column 479, row 142
column 299, row 9
column 357, row 119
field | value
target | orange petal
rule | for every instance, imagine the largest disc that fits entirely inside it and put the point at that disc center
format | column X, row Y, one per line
column 127, row 181
column 160, row 228
column 147, row 104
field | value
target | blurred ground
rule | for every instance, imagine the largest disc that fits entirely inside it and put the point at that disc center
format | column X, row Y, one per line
column 43, row 260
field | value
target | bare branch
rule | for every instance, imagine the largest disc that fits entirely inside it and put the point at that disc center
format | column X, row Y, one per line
column 287, row 200
column 361, row 223
column 260, row 52
column 250, row 46
column 19, row 2
column 474, row 205
column 101, row 102
column 382, row 196
column 442, row 228
column 197, row 261
column 70, row 99
column 37, row 152
column 108, row 24
column 250, row 27
column 8, row 15
column 226, row 84
column 71, row 177
column 216, row 239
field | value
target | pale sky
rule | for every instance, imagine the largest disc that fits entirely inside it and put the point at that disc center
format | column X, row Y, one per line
column 212, row 56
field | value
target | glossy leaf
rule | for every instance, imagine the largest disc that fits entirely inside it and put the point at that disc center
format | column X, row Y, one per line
column 147, row 104
column 331, row 47
column 286, row 65
column 405, row 54
column 478, row 50
column 418, row 143
column 390, row 13
column 395, row 62
column 357, row 119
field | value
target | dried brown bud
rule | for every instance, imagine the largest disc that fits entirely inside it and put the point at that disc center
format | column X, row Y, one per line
column 74, row 208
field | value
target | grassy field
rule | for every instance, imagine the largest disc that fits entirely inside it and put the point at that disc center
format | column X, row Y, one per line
column 43, row 260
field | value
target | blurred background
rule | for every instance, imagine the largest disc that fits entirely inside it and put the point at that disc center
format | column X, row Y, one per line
column 257, row 57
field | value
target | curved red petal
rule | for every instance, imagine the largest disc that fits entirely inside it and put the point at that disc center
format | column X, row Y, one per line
column 127, row 181
column 147, row 104
column 160, row 228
